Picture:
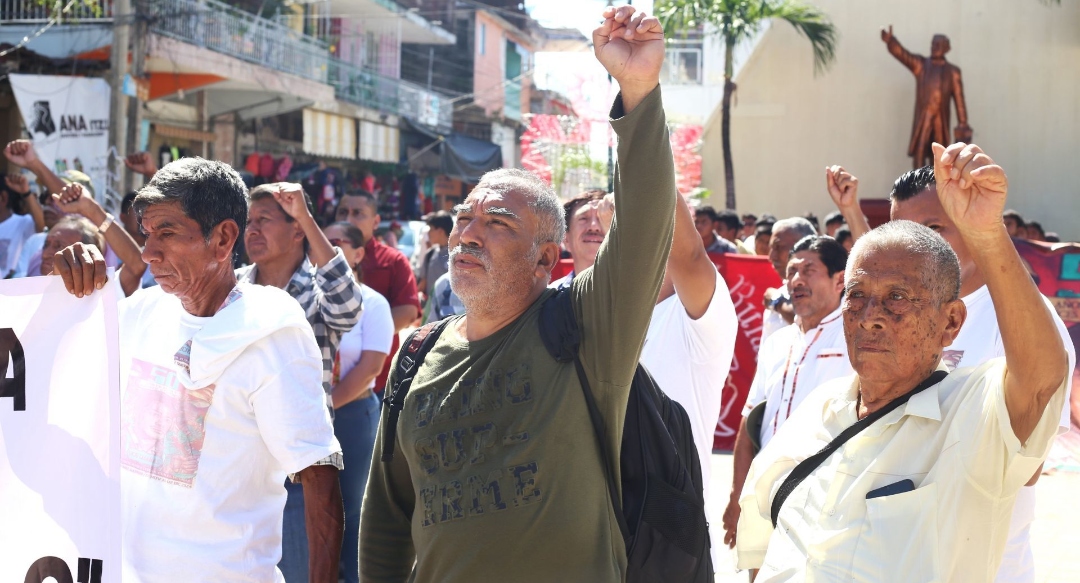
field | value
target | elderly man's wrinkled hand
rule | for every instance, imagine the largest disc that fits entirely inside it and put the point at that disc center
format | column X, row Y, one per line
column 972, row 188
column 82, row 268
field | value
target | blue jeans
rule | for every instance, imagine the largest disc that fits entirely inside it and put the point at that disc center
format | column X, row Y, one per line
column 294, row 543
column 355, row 426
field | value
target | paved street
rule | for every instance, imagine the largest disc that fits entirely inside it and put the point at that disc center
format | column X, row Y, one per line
column 1055, row 535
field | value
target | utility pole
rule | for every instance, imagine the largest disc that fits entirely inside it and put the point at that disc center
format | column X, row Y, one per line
column 118, row 70
column 138, row 33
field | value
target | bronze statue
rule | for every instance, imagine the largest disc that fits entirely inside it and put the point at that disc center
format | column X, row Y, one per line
column 937, row 82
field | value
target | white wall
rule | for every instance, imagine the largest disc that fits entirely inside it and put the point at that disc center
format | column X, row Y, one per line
column 1021, row 68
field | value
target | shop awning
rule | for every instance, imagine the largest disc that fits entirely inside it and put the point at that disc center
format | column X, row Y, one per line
column 462, row 156
column 330, row 135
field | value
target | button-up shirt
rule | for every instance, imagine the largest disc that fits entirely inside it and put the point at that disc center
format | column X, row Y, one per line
column 954, row 441
column 791, row 364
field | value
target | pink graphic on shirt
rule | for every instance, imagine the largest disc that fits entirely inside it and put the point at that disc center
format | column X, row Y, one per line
column 952, row 358
column 162, row 424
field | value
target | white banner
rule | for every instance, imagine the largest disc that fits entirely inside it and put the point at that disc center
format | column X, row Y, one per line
column 59, row 434
column 68, row 120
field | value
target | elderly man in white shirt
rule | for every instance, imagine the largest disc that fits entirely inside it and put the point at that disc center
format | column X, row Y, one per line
column 914, row 198
column 898, row 474
column 797, row 359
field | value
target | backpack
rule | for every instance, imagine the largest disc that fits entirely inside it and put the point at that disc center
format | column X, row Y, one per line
column 661, row 513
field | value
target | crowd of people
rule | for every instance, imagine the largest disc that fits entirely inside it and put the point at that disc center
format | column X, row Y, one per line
column 258, row 342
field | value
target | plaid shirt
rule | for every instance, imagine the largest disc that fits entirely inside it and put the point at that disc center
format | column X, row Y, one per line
column 330, row 298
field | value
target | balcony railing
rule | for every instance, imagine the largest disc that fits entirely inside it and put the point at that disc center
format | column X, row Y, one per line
column 37, row 11
column 369, row 89
column 219, row 27
column 228, row 30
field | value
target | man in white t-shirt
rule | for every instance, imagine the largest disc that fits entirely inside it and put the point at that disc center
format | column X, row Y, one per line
column 221, row 387
column 778, row 310
column 691, row 340
column 914, row 197
column 15, row 229
column 798, row 358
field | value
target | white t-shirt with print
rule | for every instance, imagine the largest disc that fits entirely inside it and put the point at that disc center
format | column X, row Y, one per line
column 373, row 331
column 206, row 447
column 791, row 364
column 690, row 360
column 978, row 342
column 14, row 231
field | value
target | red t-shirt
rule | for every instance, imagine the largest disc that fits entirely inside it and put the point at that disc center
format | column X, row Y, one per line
column 387, row 271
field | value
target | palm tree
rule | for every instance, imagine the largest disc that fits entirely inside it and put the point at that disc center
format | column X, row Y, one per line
column 736, row 21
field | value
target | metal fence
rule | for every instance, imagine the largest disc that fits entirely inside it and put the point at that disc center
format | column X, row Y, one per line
column 41, row 11
column 234, row 32
column 369, row 89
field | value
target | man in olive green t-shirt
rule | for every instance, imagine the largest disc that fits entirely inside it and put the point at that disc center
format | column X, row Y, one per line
column 496, row 474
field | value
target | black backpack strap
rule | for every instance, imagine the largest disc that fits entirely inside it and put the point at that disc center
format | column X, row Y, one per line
column 808, row 465
column 410, row 357
column 562, row 339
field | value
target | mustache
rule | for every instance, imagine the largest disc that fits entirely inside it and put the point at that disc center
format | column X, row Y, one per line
column 473, row 252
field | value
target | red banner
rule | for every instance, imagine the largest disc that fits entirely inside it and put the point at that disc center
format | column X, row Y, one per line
column 747, row 277
column 1056, row 270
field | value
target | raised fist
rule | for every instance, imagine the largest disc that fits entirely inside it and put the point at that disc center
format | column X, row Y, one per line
column 18, row 183
column 21, row 153
column 630, row 45
column 972, row 188
column 843, row 187
column 141, row 163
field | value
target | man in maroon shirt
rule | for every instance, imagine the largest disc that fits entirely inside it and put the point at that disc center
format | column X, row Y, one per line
column 384, row 269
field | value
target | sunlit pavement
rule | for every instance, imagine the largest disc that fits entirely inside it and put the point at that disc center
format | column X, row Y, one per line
column 1055, row 536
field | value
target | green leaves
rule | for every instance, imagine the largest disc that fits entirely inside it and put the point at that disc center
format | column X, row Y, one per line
column 738, row 20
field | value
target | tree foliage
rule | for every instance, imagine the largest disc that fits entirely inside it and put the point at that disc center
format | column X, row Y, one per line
column 736, row 21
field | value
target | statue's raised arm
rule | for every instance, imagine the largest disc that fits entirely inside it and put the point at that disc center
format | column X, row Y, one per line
column 910, row 60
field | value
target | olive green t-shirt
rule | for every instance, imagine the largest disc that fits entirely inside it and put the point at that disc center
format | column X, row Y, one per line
column 497, row 474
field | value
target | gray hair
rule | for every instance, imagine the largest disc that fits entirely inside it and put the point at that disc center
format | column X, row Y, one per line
column 88, row 231
column 209, row 192
column 933, row 256
column 797, row 224
column 551, row 223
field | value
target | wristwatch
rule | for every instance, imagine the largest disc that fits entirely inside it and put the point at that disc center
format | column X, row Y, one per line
column 104, row 226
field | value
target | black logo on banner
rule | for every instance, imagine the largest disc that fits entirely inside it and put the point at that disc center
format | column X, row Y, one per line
column 45, row 567
column 43, row 119
column 11, row 350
